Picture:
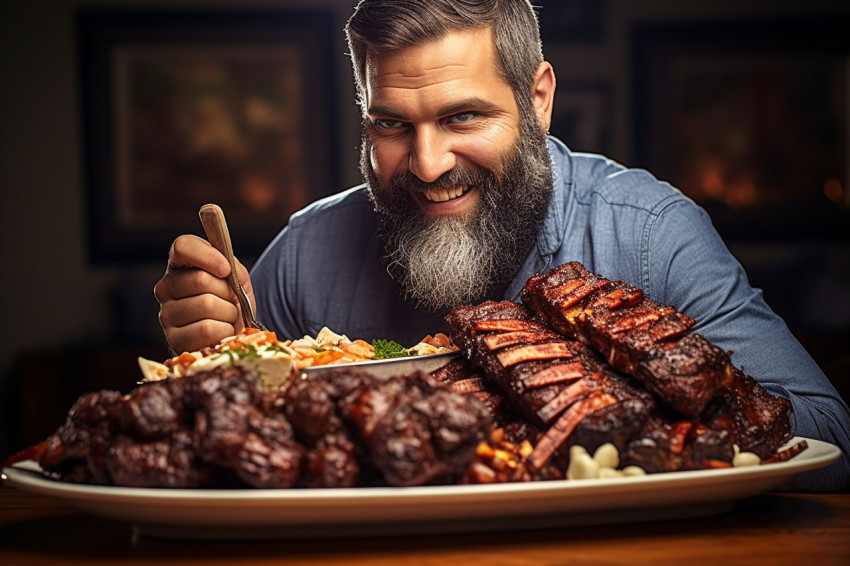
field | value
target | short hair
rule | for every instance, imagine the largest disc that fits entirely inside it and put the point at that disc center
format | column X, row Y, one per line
column 395, row 24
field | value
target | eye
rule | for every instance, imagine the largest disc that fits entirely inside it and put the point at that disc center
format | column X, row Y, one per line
column 387, row 124
column 462, row 117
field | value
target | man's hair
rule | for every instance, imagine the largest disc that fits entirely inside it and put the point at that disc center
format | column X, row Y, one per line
column 396, row 24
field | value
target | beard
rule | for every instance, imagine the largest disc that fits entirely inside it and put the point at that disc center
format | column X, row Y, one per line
column 445, row 261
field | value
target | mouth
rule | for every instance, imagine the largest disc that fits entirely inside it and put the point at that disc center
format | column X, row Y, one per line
column 445, row 195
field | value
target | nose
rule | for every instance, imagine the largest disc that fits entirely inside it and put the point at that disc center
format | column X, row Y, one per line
column 430, row 154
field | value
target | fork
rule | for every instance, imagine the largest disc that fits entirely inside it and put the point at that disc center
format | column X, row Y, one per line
column 215, row 226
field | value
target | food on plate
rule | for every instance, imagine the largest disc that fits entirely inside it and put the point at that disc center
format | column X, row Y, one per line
column 401, row 431
column 330, row 348
column 587, row 379
column 590, row 361
column 654, row 344
column 554, row 383
column 277, row 361
column 208, row 428
column 221, row 428
column 256, row 350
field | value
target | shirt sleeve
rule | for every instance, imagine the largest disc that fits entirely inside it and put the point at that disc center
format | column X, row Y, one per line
column 270, row 281
column 685, row 264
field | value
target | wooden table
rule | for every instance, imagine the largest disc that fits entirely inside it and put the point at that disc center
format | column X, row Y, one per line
column 775, row 529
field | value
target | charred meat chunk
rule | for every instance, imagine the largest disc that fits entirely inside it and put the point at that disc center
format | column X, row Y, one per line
column 177, row 433
column 169, row 461
column 415, row 431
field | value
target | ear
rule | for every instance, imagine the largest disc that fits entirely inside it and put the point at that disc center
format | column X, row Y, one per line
column 543, row 94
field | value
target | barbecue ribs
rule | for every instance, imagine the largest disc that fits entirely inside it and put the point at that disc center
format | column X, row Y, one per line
column 559, row 385
column 655, row 344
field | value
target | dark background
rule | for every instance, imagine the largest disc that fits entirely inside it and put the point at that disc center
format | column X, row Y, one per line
column 72, row 324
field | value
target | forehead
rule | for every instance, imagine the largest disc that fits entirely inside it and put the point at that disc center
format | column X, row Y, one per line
column 457, row 60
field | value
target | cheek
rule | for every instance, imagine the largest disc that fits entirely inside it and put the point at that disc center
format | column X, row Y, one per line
column 488, row 149
column 384, row 159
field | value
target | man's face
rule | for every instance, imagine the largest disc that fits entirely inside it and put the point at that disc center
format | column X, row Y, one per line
column 459, row 176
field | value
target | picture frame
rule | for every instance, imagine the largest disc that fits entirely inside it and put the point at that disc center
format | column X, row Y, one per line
column 750, row 119
column 184, row 107
column 581, row 115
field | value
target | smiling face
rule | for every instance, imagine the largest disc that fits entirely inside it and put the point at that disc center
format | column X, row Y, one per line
column 437, row 106
column 459, row 175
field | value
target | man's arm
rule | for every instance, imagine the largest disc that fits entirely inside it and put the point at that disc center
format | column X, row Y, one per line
column 689, row 267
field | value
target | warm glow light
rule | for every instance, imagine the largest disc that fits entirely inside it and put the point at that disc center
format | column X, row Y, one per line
column 833, row 190
column 712, row 180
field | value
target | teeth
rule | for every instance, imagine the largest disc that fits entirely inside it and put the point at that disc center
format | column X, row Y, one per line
column 444, row 195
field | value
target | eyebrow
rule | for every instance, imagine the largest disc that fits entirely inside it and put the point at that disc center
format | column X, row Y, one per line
column 472, row 103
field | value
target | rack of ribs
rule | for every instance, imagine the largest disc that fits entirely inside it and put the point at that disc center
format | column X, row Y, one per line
column 557, row 384
column 656, row 344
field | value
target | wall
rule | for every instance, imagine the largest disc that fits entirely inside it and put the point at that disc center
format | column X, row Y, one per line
column 52, row 298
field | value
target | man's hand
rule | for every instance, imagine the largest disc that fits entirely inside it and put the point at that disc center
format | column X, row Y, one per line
column 197, row 308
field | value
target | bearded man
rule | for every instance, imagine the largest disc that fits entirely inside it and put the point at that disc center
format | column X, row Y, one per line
column 466, row 197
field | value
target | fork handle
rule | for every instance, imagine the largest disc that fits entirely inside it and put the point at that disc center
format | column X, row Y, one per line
column 215, row 226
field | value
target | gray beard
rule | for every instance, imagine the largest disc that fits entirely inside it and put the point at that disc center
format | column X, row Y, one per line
column 442, row 262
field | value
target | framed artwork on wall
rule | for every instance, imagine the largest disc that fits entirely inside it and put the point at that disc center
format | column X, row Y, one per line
column 181, row 108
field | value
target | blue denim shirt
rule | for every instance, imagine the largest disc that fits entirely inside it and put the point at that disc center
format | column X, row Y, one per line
column 325, row 269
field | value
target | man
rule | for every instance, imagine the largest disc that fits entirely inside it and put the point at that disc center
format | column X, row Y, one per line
column 466, row 197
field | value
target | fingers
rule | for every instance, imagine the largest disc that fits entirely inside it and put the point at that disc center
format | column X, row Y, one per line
column 188, row 251
column 188, row 282
column 197, row 335
column 191, row 251
column 197, row 306
column 191, row 310
column 197, row 321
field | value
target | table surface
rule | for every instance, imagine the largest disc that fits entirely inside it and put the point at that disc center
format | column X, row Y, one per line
column 774, row 528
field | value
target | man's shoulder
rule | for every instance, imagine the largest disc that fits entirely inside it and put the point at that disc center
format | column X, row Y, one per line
column 597, row 180
column 352, row 203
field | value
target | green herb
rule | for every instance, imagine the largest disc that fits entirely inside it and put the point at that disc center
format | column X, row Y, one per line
column 247, row 350
column 386, row 349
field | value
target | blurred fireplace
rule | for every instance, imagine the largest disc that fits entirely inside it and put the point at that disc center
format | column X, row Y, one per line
column 751, row 119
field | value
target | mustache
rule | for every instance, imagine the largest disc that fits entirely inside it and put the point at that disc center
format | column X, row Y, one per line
column 458, row 175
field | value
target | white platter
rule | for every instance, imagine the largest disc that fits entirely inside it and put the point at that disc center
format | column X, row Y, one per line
column 393, row 366
column 300, row 513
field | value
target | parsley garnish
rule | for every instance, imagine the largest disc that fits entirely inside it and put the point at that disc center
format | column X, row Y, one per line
column 386, row 349
column 247, row 350
column 244, row 351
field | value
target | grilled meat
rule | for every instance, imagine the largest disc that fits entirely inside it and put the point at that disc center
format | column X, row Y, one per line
column 219, row 427
column 756, row 420
column 556, row 383
column 412, row 430
column 655, row 344
column 585, row 361
column 462, row 377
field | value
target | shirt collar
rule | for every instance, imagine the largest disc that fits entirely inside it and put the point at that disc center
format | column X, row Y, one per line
column 552, row 231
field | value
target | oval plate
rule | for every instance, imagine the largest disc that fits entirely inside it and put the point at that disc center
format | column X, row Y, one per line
column 218, row 514
column 391, row 367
